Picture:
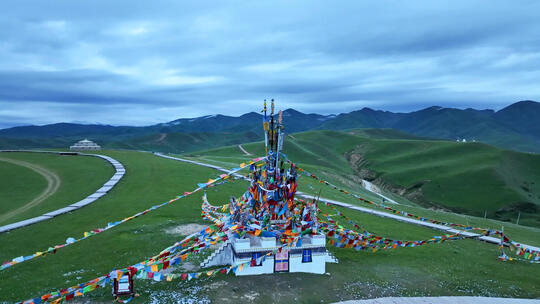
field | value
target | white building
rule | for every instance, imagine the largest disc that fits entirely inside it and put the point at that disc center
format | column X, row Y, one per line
column 310, row 256
column 85, row 144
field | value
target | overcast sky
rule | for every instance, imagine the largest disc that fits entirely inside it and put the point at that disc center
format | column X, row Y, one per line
column 139, row 63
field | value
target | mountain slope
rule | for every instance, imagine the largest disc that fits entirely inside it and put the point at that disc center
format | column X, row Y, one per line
column 514, row 127
column 296, row 122
column 470, row 178
column 68, row 129
column 522, row 117
column 446, row 123
column 365, row 118
column 182, row 142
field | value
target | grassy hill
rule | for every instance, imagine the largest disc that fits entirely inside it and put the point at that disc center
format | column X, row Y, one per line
column 428, row 270
column 522, row 117
column 183, row 142
column 470, row 178
column 177, row 142
column 35, row 143
column 514, row 127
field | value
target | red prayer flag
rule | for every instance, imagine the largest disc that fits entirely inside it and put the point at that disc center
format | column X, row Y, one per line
column 69, row 296
column 132, row 270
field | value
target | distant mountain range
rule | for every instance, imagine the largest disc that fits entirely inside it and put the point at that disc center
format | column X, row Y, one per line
column 515, row 127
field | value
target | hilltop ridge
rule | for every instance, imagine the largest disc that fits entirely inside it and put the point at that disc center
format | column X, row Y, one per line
column 514, row 127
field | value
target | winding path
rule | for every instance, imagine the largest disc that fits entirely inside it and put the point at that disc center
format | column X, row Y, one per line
column 244, row 150
column 53, row 183
column 120, row 171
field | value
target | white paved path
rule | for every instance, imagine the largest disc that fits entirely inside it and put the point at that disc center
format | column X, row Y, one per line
column 442, row 300
column 120, row 171
column 444, row 228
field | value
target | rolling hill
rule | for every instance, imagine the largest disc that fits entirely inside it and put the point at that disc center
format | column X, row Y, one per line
column 470, row 178
column 522, row 117
column 183, row 142
column 514, row 127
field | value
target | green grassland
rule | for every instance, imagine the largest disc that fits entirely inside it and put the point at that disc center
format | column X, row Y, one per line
column 469, row 178
column 80, row 176
column 182, row 142
column 465, row 267
column 18, row 185
column 149, row 180
column 138, row 139
column 314, row 162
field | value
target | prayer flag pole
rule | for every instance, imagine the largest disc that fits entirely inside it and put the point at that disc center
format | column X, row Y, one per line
column 278, row 144
column 265, row 127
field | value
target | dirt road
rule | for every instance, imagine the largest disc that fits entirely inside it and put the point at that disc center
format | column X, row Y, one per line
column 53, row 183
column 244, row 150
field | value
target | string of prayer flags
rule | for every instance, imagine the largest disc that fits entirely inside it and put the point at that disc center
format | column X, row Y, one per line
column 533, row 256
column 71, row 240
column 267, row 209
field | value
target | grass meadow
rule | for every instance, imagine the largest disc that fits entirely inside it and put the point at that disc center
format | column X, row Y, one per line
column 79, row 176
column 465, row 267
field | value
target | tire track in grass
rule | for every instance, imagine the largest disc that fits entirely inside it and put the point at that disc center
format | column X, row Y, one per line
column 53, row 183
column 244, row 150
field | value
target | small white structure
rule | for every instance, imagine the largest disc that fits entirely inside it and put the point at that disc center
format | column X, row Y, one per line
column 308, row 256
column 85, row 144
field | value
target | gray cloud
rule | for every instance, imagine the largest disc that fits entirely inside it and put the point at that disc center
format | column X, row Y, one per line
column 129, row 62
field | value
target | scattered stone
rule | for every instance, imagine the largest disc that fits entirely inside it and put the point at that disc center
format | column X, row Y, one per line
column 188, row 266
column 216, row 285
column 186, row 229
column 73, row 272
column 251, row 296
column 187, row 297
